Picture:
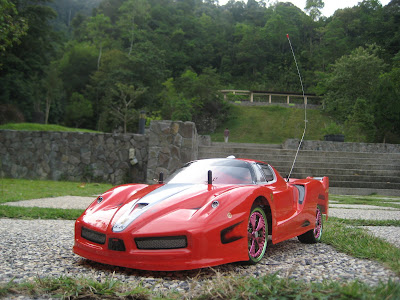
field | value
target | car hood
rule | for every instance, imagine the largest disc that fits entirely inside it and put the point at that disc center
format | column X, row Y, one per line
column 122, row 210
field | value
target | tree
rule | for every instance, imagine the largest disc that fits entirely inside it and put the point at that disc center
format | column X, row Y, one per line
column 360, row 124
column 76, row 66
column 122, row 107
column 352, row 76
column 133, row 12
column 24, row 65
column 387, row 107
column 12, row 26
column 53, row 89
column 313, row 7
column 98, row 28
column 78, row 110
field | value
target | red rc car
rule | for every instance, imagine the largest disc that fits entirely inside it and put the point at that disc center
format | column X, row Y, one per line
column 210, row 212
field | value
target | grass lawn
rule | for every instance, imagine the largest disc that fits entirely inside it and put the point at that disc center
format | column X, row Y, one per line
column 41, row 127
column 23, row 189
column 271, row 124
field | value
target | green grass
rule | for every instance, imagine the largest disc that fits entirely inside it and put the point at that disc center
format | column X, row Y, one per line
column 23, row 189
column 221, row 287
column 367, row 200
column 17, row 212
column 361, row 222
column 40, row 127
column 271, row 124
column 357, row 242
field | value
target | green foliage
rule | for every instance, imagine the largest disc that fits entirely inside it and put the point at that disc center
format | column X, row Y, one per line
column 193, row 97
column 122, row 107
column 360, row 125
column 352, row 76
column 387, row 107
column 313, row 7
column 75, row 67
column 78, row 109
column 24, row 64
column 239, row 45
column 12, row 26
column 332, row 128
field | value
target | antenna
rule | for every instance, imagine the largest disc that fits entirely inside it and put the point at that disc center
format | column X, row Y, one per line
column 305, row 108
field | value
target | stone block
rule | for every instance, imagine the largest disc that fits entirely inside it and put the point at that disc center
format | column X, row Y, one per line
column 188, row 130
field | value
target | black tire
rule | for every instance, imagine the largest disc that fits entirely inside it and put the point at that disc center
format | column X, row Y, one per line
column 257, row 235
column 314, row 235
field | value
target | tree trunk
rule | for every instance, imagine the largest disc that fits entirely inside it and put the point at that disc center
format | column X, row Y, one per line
column 98, row 60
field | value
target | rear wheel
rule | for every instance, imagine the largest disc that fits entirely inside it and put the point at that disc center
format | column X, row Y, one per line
column 257, row 234
column 314, row 235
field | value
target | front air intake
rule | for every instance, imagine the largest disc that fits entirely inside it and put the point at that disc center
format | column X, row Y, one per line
column 93, row 236
column 167, row 242
column 116, row 244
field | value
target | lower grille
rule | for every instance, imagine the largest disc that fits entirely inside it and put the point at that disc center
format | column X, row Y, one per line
column 116, row 244
column 168, row 242
column 93, row 236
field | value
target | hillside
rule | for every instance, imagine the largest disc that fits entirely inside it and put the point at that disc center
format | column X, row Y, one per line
column 271, row 124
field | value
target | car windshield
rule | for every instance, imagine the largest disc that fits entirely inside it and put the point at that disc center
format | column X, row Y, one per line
column 224, row 171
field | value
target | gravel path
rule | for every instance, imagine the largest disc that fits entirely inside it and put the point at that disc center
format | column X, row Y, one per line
column 43, row 248
column 32, row 248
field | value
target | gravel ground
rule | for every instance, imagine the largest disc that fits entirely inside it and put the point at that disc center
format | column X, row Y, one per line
column 32, row 248
column 37, row 248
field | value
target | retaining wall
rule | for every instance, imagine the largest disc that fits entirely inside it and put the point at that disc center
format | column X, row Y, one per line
column 74, row 156
column 122, row 158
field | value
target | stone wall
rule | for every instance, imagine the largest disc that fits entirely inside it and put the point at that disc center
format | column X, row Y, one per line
column 74, row 156
column 344, row 147
column 171, row 145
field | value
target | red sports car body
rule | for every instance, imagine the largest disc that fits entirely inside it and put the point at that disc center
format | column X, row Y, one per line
column 210, row 212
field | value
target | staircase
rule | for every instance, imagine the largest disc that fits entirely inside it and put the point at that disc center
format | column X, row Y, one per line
column 352, row 173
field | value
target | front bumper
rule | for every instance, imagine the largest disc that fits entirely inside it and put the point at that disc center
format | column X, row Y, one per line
column 203, row 249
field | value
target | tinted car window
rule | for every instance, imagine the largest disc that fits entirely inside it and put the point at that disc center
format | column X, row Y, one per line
column 268, row 173
column 224, row 171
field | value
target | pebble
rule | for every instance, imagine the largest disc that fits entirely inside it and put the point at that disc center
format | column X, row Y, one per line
column 33, row 249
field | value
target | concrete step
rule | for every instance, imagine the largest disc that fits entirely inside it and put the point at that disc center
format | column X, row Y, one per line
column 301, row 157
column 338, row 165
column 337, row 171
column 359, row 171
column 338, row 177
column 272, row 154
column 272, row 148
column 363, row 184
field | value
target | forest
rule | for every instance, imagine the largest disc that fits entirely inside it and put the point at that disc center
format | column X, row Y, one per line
column 98, row 64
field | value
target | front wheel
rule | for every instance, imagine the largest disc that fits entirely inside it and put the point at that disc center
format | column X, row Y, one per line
column 257, row 233
column 314, row 235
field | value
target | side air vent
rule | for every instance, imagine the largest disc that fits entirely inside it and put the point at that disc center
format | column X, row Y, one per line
column 302, row 192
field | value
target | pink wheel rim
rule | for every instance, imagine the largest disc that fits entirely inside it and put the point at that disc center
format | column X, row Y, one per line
column 256, row 234
column 318, row 225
